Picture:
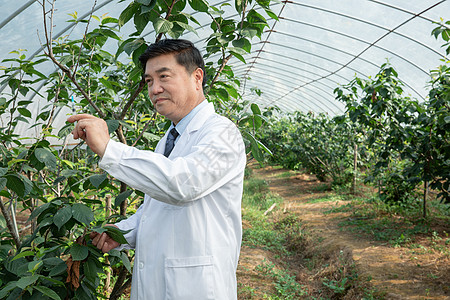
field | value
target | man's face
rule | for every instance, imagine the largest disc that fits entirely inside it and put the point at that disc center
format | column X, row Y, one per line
column 173, row 91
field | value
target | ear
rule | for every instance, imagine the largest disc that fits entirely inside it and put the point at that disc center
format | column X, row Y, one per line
column 198, row 77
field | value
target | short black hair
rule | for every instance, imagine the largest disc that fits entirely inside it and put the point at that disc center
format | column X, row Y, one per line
column 185, row 52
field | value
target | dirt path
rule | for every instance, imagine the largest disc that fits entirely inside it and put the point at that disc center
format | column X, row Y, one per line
column 399, row 273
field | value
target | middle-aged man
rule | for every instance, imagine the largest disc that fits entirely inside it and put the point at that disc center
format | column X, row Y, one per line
column 187, row 233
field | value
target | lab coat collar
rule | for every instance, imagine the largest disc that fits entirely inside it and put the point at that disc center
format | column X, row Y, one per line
column 195, row 124
column 200, row 118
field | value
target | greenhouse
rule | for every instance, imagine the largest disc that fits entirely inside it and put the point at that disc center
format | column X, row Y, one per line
column 247, row 149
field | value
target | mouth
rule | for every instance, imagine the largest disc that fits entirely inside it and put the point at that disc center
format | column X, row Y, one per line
column 159, row 100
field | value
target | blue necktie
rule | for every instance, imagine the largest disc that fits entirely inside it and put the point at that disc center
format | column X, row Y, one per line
column 170, row 142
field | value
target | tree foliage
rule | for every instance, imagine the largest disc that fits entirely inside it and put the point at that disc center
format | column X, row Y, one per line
column 60, row 187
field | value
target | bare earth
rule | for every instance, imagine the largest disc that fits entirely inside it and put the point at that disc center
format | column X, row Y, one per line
column 396, row 273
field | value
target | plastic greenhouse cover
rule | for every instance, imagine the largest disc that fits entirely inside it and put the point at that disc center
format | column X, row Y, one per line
column 314, row 47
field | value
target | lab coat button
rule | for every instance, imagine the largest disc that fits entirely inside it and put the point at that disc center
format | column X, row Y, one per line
column 141, row 265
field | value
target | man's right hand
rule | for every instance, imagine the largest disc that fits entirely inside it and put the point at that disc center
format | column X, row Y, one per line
column 103, row 241
column 93, row 130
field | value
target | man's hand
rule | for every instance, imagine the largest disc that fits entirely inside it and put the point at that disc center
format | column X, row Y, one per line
column 92, row 130
column 103, row 241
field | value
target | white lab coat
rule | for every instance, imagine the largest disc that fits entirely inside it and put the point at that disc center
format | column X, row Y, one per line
column 187, row 233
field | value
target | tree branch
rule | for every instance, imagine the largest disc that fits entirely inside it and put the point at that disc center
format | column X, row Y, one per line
column 169, row 12
column 132, row 99
column 222, row 66
column 152, row 120
column 84, row 37
column 9, row 224
column 63, row 68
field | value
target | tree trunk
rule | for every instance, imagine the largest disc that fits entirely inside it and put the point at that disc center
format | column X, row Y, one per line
column 355, row 168
column 10, row 224
column 108, row 269
column 425, row 196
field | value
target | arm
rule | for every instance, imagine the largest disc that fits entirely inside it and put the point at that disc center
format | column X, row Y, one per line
column 217, row 157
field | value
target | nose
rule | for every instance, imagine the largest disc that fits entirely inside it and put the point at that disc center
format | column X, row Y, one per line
column 156, row 88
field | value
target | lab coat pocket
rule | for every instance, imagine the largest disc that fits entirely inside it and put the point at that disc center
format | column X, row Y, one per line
column 189, row 278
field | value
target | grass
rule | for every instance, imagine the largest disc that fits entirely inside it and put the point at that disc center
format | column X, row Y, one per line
column 287, row 174
column 399, row 225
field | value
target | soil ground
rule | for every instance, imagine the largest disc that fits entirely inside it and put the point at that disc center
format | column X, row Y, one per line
column 394, row 272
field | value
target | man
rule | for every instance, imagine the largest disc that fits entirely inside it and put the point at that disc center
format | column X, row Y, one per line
column 187, row 233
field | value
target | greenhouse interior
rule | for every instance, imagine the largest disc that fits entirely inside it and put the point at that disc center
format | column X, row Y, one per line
column 313, row 157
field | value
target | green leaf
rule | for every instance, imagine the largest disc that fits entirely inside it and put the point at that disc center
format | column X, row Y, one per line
column 82, row 213
column 243, row 43
column 264, row 147
column 34, row 265
column 46, row 156
column 126, row 261
column 90, row 269
column 3, row 182
column 122, row 197
column 144, row 2
column 52, row 261
column 112, row 125
column 107, row 20
column 271, row 14
column 199, row 5
column 140, row 22
column 238, row 4
column 128, row 13
column 15, row 184
column 162, row 25
column 97, row 179
column 65, row 130
column 26, row 281
column 186, row 27
column 238, row 56
column 254, row 17
column 23, row 254
column 255, row 109
column 62, row 216
column 58, row 269
column 117, row 234
column 79, row 252
column 257, row 121
column 39, row 210
column 24, row 112
column 254, row 146
column 151, row 137
column 47, row 292
column 446, row 35
column 249, row 32
column 7, row 288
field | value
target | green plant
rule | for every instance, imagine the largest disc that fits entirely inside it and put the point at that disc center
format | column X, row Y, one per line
column 285, row 284
column 343, row 279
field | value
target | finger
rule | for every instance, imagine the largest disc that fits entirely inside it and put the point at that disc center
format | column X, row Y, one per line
column 106, row 247
column 101, row 241
column 93, row 234
column 75, row 118
column 79, row 131
column 95, row 239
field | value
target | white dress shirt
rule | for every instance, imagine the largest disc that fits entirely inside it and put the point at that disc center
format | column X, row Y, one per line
column 187, row 233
